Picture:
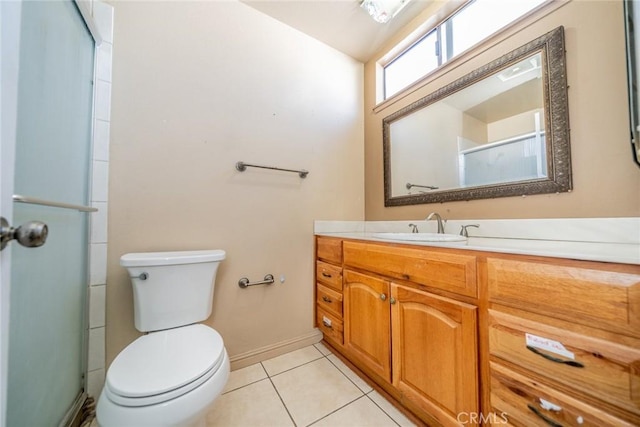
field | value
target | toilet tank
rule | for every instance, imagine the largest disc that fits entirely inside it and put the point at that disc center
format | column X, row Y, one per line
column 172, row 289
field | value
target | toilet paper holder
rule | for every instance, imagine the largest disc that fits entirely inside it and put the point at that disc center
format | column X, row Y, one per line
column 244, row 282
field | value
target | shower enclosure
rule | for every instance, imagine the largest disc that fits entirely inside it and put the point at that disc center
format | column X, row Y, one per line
column 46, row 160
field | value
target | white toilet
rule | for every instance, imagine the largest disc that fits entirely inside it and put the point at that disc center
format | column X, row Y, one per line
column 171, row 375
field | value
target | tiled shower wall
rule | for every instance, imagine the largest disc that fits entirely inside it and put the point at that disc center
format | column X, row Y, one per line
column 102, row 14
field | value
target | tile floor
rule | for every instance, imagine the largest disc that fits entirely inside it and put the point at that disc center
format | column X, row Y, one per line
column 307, row 387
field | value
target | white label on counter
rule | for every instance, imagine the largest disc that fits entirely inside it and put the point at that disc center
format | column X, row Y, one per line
column 549, row 345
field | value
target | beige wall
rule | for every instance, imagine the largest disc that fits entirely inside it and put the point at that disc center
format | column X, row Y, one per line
column 606, row 181
column 198, row 86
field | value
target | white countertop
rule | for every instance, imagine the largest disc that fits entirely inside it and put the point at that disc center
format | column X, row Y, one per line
column 593, row 239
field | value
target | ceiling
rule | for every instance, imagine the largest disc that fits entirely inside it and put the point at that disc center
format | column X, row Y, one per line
column 341, row 24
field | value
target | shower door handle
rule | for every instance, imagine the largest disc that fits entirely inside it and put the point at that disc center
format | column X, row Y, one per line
column 31, row 234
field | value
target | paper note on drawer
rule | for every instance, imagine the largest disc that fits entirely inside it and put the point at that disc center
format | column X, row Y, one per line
column 548, row 345
column 545, row 404
column 326, row 321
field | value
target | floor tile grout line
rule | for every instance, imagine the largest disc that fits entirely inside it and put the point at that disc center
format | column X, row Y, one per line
column 332, row 364
column 245, row 385
column 325, row 355
column 267, row 376
column 252, row 382
column 352, row 382
column 291, row 369
column 337, row 409
column 276, row 388
column 281, row 399
column 381, row 408
column 364, row 394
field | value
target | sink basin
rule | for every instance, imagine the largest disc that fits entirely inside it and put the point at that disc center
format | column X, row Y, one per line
column 421, row 237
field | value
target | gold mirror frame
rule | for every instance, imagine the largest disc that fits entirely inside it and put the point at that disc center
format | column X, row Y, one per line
column 554, row 82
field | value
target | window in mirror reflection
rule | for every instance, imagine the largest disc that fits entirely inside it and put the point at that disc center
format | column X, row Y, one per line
column 474, row 22
column 490, row 132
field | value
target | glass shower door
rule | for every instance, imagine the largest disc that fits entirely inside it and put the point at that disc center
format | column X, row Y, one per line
column 47, row 323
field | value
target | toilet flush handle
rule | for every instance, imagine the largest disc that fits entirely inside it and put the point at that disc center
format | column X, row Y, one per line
column 141, row 276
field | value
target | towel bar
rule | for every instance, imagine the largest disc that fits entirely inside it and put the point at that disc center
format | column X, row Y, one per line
column 244, row 282
column 242, row 166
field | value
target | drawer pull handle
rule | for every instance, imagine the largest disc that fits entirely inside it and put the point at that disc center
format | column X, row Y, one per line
column 543, row 417
column 326, row 275
column 555, row 359
column 326, row 299
column 327, row 324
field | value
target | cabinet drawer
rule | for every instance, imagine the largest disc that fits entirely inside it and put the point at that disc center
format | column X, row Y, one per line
column 443, row 270
column 330, row 326
column 584, row 295
column 330, row 301
column 526, row 402
column 605, row 370
column 329, row 249
column 329, row 275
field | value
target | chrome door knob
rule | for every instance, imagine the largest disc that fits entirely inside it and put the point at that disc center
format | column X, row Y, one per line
column 31, row 234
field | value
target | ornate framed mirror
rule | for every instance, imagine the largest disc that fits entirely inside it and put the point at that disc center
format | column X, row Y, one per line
column 501, row 130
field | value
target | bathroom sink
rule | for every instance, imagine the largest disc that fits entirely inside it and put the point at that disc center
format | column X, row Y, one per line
column 421, row 237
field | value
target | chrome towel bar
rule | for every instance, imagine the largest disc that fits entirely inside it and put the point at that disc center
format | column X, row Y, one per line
column 34, row 201
column 244, row 282
column 242, row 166
column 430, row 187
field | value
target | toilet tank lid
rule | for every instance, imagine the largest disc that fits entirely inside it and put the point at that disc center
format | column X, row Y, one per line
column 171, row 258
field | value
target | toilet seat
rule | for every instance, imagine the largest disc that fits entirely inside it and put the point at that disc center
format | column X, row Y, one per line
column 163, row 365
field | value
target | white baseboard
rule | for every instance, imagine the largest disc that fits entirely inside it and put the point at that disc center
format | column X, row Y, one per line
column 254, row 356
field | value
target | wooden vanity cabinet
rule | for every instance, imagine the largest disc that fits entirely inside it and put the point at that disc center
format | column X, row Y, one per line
column 329, row 307
column 424, row 345
column 532, row 341
column 564, row 341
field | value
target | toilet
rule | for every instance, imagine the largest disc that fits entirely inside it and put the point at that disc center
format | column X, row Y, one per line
column 172, row 374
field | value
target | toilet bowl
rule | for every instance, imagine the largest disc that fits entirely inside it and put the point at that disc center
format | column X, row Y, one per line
column 170, row 376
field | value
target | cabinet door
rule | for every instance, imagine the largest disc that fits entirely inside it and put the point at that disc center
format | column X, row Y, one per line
column 435, row 357
column 367, row 331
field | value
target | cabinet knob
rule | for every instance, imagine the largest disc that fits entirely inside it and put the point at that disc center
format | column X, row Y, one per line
column 326, row 299
column 383, row 297
column 392, row 300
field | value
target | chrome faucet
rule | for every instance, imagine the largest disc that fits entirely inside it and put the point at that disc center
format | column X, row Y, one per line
column 414, row 228
column 463, row 230
column 441, row 222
